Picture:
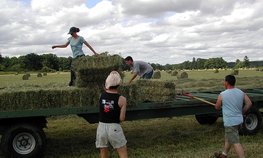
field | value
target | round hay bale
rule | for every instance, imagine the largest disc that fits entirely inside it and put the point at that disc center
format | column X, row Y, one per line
column 25, row 77
column 169, row 71
column 235, row 72
column 44, row 74
column 39, row 75
column 184, row 75
column 157, row 75
column 28, row 74
column 216, row 71
column 174, row 73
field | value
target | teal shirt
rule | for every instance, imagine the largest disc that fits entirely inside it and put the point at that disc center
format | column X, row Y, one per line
column 76, row 45
column 232, row 106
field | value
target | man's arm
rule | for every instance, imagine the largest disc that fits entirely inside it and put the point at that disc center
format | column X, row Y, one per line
column 122, row 104
column 248, row 103
column 133, row 77
column 218, row 103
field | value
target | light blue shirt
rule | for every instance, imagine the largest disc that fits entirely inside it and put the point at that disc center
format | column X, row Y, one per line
column 232, row 106
column 76, row 45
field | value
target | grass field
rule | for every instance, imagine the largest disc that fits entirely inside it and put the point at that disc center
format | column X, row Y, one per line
column 177, row 137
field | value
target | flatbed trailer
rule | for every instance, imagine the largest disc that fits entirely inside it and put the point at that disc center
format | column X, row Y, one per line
column 23, row 135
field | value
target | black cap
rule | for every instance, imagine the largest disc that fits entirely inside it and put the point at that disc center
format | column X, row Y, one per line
column 73, row 29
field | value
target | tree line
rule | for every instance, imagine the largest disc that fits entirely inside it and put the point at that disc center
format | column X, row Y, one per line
column 50, row 62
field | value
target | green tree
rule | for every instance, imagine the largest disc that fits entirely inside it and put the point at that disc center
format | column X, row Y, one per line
column 200, row 63
column 215, row 63
column 32, row 62
column 238, row 64
column 194, row 64
column 64, row 63
column 1, row 58
column 50, row 61
column 246, row 62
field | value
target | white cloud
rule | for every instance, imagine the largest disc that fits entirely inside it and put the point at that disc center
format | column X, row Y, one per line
column 170, row 31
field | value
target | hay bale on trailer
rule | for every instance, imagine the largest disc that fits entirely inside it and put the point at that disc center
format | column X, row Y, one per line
column 154, row 90
column 49, row 98
column 93, row 70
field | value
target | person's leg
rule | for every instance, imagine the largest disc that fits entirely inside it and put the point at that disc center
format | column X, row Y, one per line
column 118, row 140
column 104, row 153
column 122, row 151
column 232, row 136
column 226, row 147
column 71, row 78
column 74, row 77
column 239, row 150
column 102, row 140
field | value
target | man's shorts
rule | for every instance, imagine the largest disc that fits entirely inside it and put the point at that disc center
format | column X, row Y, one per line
column 110, row 133
column 232, row 134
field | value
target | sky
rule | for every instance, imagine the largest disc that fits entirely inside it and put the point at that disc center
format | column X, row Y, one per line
column 155, row 31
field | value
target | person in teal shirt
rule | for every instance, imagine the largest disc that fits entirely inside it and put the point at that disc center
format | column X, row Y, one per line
column 76, row 43
column 231, row 100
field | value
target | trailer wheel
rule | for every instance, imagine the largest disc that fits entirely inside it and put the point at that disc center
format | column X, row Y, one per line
column 206, row 119
column 252, row 122
column 23, row 141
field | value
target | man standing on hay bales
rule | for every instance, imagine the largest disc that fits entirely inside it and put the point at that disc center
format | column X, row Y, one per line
column 76, row 43
column 112, row 110
column 141, row 68
column 231, row 101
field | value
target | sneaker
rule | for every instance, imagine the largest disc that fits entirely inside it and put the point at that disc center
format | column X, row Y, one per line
column 219, row 155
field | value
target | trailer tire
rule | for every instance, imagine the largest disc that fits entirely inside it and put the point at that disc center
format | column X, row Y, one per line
column 23, row 141
column 206, row 119
column 252, row 122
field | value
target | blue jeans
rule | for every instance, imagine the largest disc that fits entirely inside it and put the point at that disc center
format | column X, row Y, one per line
column 148, row 75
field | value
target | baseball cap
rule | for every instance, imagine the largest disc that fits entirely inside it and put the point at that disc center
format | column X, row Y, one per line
column 114, row 79
column 73, row 29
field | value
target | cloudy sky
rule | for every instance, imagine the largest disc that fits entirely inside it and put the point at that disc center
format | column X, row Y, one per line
column 156, row 31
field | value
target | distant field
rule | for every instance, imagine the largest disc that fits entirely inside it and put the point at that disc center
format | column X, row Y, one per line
column 197, row 79
column 177, row 137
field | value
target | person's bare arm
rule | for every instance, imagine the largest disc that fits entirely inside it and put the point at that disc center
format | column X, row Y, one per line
column 61, row 46
column 133, row 77
column 218, row 103
column 122, row 104
column 248, row 103
column 87, row 44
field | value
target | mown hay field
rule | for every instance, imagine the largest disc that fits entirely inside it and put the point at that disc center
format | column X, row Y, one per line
column 177, row 137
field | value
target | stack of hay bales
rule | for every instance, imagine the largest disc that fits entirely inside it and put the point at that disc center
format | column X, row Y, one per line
column 91, row 75
column 93, row 70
